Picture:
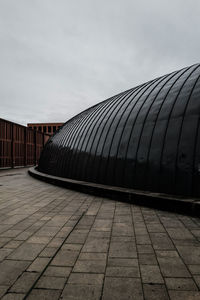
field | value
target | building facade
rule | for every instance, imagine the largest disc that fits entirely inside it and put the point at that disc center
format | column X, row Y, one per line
column 49, row 128
column 19, row 145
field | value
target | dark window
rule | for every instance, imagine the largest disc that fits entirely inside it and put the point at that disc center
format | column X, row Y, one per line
column 35, row 127
column 30, row 127
column 45, row 129
column 40, row 128
column 49, row 128
column 54, row 128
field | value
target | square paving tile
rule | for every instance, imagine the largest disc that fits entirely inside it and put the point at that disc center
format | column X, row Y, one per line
column 122, row 288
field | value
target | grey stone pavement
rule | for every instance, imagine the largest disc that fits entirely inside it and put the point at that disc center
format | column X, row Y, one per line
column 60, row 244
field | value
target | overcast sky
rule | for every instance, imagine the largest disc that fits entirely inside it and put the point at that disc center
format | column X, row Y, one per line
column 58, row 57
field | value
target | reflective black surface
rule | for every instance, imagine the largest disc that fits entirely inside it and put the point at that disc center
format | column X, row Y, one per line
column 146, row 138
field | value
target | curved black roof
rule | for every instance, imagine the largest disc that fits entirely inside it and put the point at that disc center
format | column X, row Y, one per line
column 146, row 138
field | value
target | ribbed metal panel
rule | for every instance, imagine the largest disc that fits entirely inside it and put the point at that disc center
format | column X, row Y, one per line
column 146, row 138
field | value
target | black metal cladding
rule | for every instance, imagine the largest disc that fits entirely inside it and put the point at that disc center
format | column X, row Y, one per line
column 146, row 138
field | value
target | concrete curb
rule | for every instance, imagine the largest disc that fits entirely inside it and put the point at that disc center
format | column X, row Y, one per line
column 189, row 206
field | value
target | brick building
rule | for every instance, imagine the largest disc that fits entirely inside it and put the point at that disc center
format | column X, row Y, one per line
column 49, row 128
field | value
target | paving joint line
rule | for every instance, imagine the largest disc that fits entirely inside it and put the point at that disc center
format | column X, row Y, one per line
column 51, row 259
column 83, row 245
column 164, row 283
column 34, row 233
column 15, row 238
column 182, row 260
column 108, row 251
column 13, row 225
column 132, row 219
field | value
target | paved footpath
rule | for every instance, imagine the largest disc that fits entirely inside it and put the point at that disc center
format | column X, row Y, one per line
column 60, row 244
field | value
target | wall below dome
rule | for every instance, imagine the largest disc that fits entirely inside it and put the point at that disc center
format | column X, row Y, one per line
column 146, row 138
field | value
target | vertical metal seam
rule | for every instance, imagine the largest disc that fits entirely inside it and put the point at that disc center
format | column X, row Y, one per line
column 180, row 133
column 194, row 157
column 133, row 125
column 74, row 137
column 146, row 87
column 112, row 120
column 109, row 118
column 147, row 114
column 152, row 133
column 166, row 130
column 108, row 103
column 74, row 132
column 91, row 132
column 89, row 153
column 88, row 124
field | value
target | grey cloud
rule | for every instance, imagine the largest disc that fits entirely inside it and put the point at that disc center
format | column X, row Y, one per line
column 60, row 57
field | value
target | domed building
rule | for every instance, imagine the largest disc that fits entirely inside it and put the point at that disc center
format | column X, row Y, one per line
column 146, row 138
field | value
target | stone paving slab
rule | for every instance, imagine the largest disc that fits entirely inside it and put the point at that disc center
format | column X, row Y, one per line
column 61, row 244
